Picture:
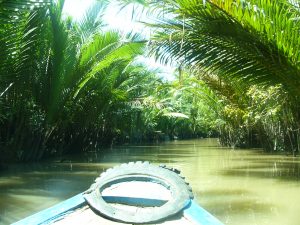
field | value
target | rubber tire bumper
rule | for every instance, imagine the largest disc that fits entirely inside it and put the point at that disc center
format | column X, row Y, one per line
column 181, row 193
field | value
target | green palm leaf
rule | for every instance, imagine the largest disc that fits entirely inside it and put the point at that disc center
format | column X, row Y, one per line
column 104, row 51
column 10, row 9
column 92, row 21
column 206, row 36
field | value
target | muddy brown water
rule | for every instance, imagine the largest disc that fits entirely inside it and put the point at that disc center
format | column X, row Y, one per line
column 240, row 187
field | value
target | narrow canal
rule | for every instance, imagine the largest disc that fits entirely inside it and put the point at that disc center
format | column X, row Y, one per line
column 240, row 187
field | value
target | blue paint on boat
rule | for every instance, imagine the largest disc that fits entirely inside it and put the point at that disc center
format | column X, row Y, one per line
column 199, row 215
column 54, row 212
column 193, row 212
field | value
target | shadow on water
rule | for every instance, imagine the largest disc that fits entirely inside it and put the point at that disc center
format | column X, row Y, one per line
column 127, row 154
column 28, row 188
column 280, row 170
column 238, row 206
column 217, row 193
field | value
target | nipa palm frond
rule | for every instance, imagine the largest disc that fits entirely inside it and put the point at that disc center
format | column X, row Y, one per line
column 206, row 36
column 107, row 49
column 92, row 21
column 275, row 21
column 9, row 9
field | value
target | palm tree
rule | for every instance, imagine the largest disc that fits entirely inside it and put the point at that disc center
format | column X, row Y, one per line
column 207, row 36
column 51, row 66
column 242, row 43
column 21, row 43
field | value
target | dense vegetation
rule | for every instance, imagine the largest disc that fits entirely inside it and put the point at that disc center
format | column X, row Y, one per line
column 71, row 86
column 247, row 53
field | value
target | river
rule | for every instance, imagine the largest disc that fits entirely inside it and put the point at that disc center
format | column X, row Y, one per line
column 240, row 187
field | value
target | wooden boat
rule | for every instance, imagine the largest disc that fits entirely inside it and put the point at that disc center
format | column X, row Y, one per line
column 133, row 193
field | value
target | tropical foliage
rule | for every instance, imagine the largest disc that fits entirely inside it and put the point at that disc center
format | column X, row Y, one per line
column 73, row 86
column 247, row 53
column 70, row 85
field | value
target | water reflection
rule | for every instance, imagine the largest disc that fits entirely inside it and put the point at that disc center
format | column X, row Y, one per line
column 240, row 187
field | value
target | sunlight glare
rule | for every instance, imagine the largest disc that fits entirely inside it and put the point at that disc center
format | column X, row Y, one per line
column 122, row 21
column 76, row 8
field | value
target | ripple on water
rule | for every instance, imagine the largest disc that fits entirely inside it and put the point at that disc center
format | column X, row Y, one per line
column 240, row 187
